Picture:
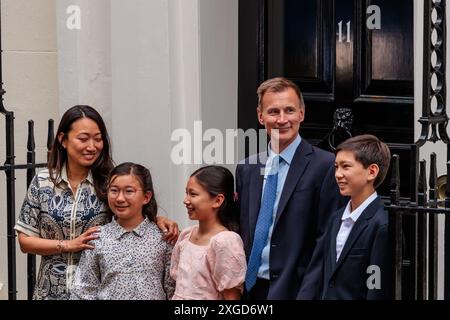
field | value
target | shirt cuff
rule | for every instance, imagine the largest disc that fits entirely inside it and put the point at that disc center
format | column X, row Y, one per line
column 27, row 229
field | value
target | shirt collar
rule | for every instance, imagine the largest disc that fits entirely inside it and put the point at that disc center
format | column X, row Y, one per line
column 64, row 178
column 118, row 231
column 288, row 153
column 358, row 211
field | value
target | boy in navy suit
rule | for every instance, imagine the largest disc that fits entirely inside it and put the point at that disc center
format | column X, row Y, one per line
column 356, row 244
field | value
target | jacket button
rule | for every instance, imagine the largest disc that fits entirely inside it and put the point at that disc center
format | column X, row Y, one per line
column 274, row 276
column 273, row 245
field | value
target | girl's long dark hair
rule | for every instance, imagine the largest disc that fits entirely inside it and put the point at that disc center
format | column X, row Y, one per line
column 58, row 157
column 150, row 209
column 219, row 180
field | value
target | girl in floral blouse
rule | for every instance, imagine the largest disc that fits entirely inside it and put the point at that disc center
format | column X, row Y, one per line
column 130, row 261
column 66, row 202
column 208, row 261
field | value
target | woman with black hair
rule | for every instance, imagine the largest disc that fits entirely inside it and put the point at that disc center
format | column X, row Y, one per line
column 66, row 203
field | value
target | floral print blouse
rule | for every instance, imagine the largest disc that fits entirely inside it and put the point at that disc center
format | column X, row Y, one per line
column 52, row 211
column 125, row 265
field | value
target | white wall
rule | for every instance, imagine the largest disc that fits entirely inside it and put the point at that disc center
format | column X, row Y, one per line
column 149, row 67
column 84, row 58
column 30, row 77
column 172, row 63
column 219, row 61
column 185, row 91
column 141, row 110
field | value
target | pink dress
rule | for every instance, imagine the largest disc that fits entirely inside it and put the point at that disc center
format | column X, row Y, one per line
column 203, row 272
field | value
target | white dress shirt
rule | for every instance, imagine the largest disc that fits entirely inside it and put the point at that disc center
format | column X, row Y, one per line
column 348, row 221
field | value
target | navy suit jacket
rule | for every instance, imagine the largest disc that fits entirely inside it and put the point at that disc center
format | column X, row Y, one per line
column 309, row 196
column 367, row 245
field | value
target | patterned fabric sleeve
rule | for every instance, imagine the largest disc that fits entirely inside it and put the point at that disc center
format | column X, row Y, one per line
column 226, row 258
column 87, row 276
column 169, row 283
column 29, row 216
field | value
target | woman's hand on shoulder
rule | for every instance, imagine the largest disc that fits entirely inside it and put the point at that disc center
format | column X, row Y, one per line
column 82, row 241
column 169, row 228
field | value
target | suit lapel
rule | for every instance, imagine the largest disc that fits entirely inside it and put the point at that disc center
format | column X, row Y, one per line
column 331, row 254
column 334, row 231
column 256, row 184
column 357, row 229
column 298, row 165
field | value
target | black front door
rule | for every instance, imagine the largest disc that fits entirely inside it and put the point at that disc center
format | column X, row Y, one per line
column 356, row 54
column 343, row 53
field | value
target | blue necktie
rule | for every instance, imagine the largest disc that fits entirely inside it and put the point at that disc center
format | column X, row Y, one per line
column 263, row 224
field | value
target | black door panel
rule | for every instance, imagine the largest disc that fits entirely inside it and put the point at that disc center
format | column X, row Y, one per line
column 338, row 59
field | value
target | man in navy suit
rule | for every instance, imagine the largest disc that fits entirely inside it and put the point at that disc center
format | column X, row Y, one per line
column 356, row 244
column 285, row 261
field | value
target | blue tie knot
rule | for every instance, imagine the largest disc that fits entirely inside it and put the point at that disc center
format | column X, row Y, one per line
column 274, row 165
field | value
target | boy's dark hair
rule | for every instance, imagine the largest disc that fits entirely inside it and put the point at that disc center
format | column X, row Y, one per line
column 219, row 180
column 141, row 173
column 368, row 150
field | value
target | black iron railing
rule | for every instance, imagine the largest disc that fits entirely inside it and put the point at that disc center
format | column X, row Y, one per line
column 418, row 250
column 10, row 168
column 422, row 282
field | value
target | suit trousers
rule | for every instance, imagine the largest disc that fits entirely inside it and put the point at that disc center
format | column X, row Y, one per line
column 260, row 290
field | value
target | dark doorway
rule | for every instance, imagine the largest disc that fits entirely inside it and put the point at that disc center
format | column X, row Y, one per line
column 343, row 53
column 355, row 54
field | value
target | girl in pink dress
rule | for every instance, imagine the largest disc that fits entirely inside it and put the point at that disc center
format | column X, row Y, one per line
column 208, row 260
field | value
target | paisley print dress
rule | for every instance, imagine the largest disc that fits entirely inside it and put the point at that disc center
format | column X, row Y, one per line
column 52, row 211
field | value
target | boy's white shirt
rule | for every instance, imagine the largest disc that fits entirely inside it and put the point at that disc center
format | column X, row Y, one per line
column 348, row 221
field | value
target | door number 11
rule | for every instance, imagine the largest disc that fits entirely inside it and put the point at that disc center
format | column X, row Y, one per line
column 340, row 31
column 373, row 22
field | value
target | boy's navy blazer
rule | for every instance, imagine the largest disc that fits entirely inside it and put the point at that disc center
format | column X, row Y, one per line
column 309, row 196
column 367, row 245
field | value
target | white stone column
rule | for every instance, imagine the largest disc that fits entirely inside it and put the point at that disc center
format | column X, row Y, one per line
column 219, row 67
column 185, row 93
column 84, row 56
column 173, row 63
column 155, row 89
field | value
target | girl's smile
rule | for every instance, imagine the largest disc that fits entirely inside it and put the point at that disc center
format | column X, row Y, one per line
column 199, row 203
column 126, row 199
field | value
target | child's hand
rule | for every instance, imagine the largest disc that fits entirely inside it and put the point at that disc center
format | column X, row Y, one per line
column 169, row 228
